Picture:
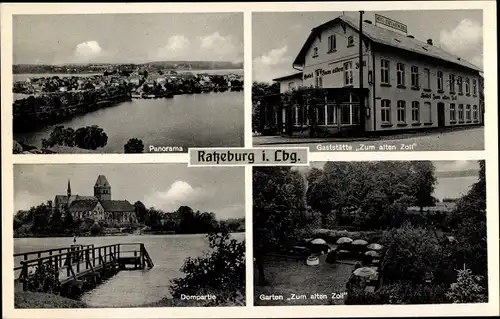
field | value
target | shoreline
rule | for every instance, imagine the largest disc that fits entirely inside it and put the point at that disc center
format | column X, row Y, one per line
column 116, row 235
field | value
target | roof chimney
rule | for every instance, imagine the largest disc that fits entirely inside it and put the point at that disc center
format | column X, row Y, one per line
column 429, row 41
column 368, row 21
column 410, row 36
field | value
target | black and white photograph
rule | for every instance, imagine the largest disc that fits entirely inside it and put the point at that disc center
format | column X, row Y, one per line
column 127, row 83
column 368, row 233
column 128, row 235
column 405, row 84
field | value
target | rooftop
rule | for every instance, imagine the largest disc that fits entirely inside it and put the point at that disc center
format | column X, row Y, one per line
column 389, row 38
column 291, row 76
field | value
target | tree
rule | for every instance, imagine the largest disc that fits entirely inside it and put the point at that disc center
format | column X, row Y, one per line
column 90, row 137
column 68, row 222
column 60, row 136
column 412, row 253
column 468, row 223
column 41, row 215
column 424, row 183
column 56, row 222
column 467, row 289
column 134, row 145
column 222, row 272
column 279, row 211
column 140, row 211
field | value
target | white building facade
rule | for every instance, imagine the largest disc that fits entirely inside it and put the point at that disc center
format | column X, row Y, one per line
column 411, row 84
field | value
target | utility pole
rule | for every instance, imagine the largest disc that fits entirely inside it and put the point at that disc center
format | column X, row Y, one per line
column 362, row 114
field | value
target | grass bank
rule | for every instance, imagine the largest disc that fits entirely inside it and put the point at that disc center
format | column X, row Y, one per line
column 31, row 300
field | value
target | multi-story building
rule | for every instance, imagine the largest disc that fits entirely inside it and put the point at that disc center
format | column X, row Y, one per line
column 99, row 207
column 408, row 83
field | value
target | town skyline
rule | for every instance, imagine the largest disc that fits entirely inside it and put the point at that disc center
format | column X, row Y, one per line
column 127, row 38
column 456, row 31
column 163, row 186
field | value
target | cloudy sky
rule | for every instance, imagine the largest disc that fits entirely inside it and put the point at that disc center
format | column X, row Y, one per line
column 127, row 38
column 165, row 186
column 278, row 37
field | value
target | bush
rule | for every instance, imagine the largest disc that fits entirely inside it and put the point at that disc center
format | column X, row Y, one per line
column 221, row 273
column 467, row 289
column 43, row 279
column 399, row 293
column 412, row 253
column 95, row 229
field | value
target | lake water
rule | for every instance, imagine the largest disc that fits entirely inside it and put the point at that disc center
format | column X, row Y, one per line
column 196, row 120
column 137, row 287
column 453, row 187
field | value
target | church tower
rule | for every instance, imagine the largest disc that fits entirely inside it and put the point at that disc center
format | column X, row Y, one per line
column 102, row 189
column 68, row 192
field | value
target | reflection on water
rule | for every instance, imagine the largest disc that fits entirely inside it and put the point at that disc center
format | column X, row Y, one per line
column 196, row 120
column 137, row 287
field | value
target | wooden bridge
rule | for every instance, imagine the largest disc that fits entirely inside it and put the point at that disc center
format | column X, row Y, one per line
column 79, row 267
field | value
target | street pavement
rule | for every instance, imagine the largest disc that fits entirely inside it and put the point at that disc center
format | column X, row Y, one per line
column 469, row 139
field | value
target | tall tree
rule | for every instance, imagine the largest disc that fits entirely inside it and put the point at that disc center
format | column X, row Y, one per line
column 279, row 211
column 423, row 183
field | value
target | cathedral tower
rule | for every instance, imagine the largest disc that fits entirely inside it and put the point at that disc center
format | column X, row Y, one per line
column 102, row 189
column 68, row 192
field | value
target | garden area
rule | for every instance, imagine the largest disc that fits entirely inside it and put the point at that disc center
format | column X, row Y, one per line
column 346, row 228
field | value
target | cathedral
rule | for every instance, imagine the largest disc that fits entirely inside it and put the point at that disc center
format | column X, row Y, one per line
column 99, row 207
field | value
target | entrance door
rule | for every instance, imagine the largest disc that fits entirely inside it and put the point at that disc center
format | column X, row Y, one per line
column 441, row 114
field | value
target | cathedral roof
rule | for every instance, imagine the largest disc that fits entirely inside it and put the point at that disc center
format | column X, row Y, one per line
column 117, row 206
column 101, row 181
column 83, row 205
column 63, row 199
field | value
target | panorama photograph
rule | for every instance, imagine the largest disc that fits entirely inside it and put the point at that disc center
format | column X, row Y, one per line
column 404, row 85
column 370, row 233
column 128, row 235
column 127, row 83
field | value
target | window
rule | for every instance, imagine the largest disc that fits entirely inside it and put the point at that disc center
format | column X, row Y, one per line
column 461, row 112
column 319, row 78
column 384, row 71
column 401, row 74
column 414, row 77
column 474, row 113
column 460, row 85
column 440, row 80
column 427, row 79
column 320, row 110
column 401, row 112
column 428, row 112
column 467, row 86
column 332, row 43
column 350, row 41
column 331, row 118
column 386, row 111
column 452, row 83
column 315, row 52
column 345, row 113
column 453, row 113
column 474, row 87
column 415, row 112
column 291, row 85
column 348, row 80
column 467, row 113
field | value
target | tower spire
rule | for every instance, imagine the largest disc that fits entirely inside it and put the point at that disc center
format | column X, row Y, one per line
column 69, row 189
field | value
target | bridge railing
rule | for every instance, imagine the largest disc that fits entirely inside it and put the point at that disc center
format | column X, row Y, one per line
column 72, row 262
